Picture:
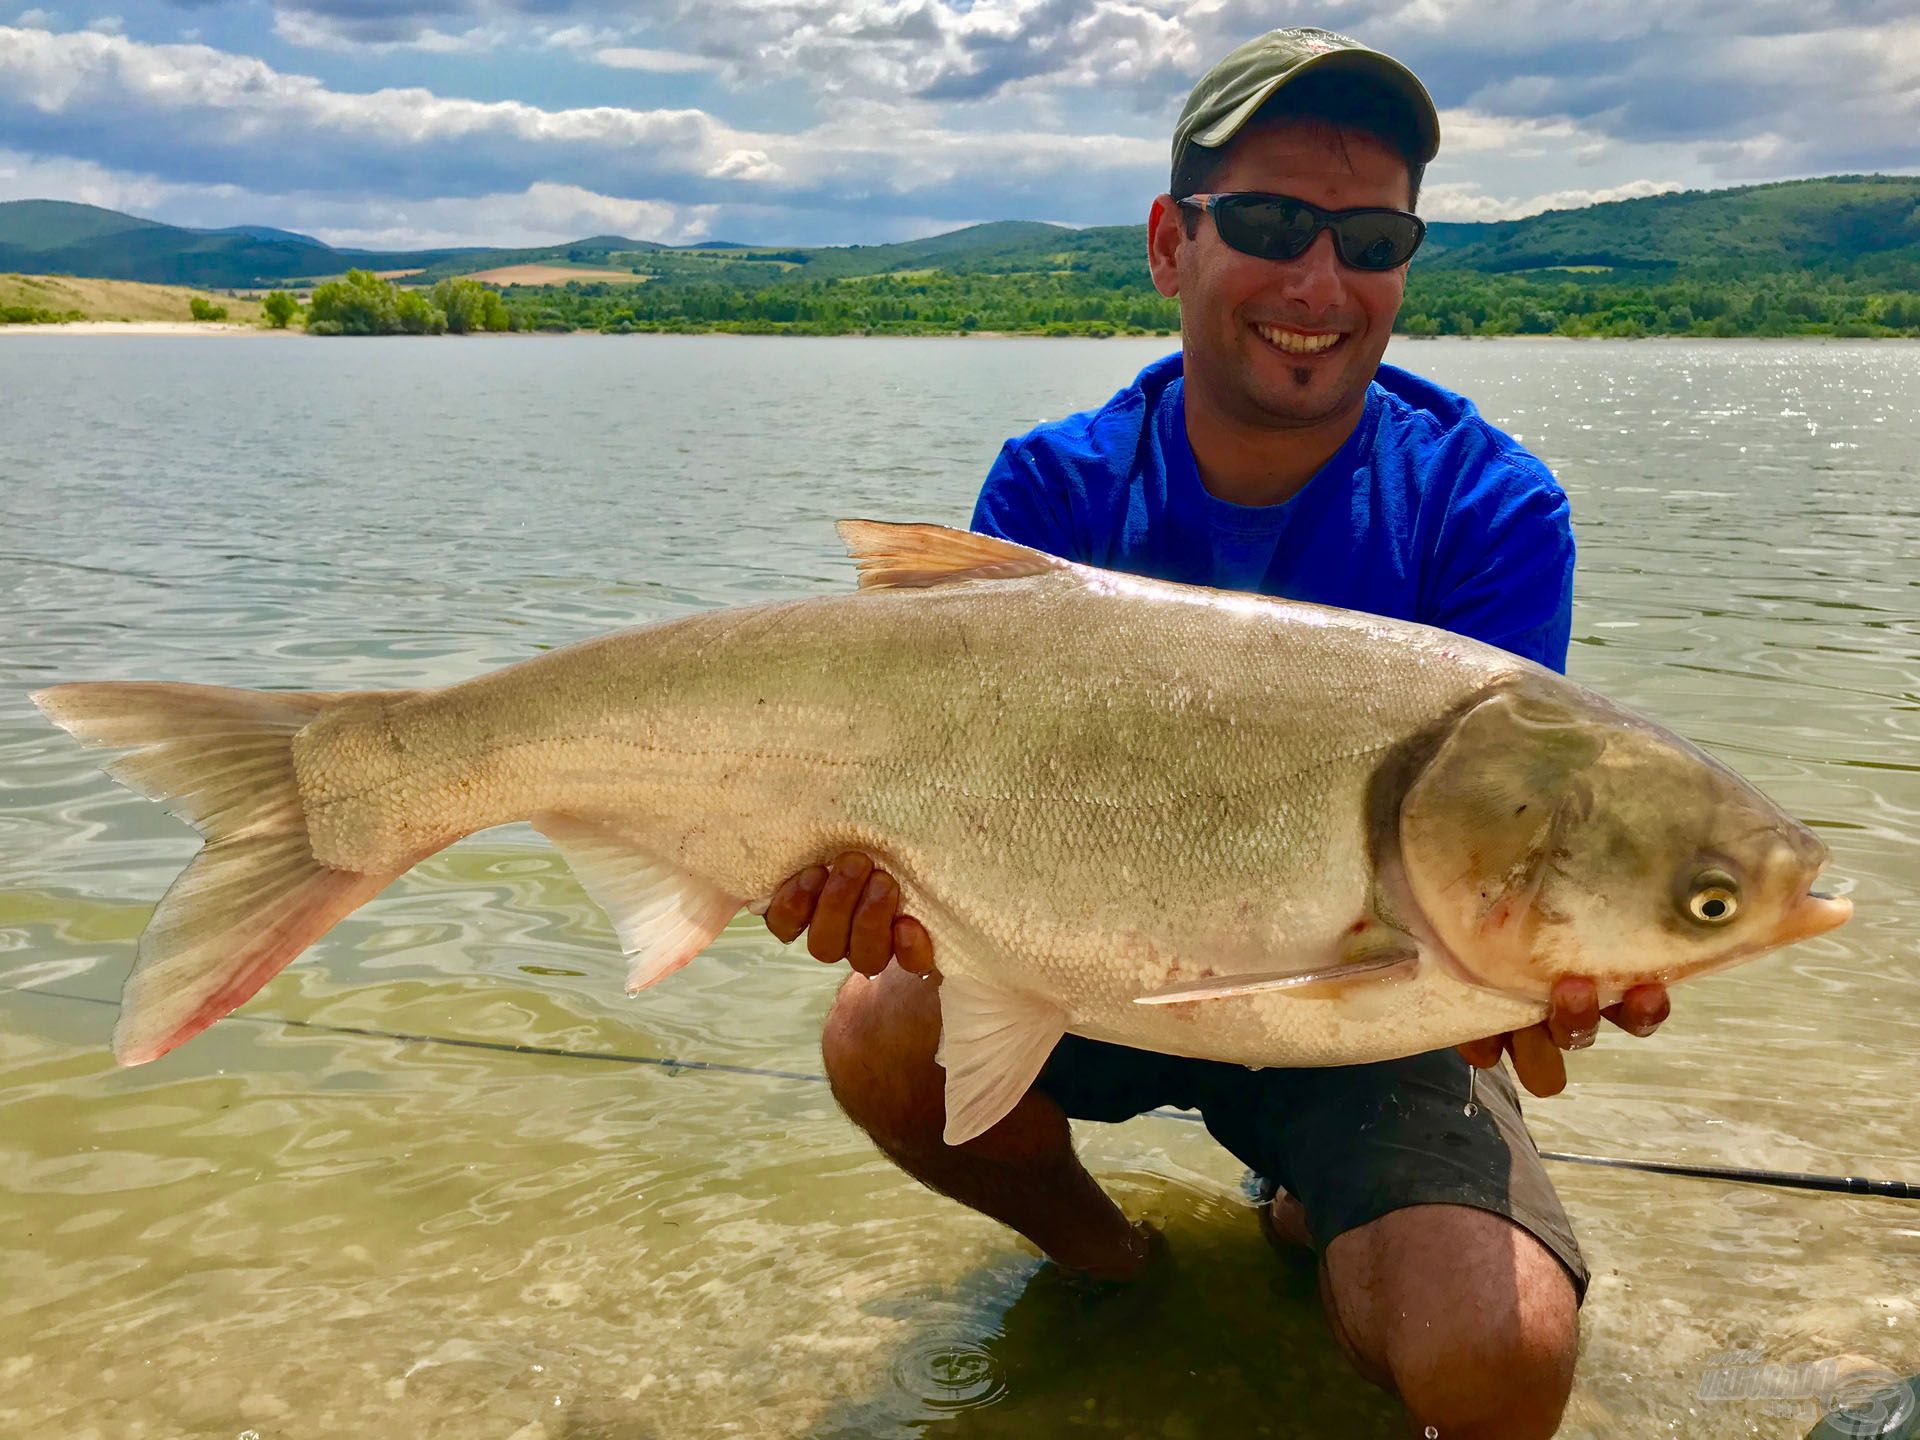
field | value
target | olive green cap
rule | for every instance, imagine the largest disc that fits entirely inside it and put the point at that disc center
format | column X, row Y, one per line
column 1227, row 95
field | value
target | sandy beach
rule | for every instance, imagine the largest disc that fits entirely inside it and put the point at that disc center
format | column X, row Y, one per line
column 142, row 327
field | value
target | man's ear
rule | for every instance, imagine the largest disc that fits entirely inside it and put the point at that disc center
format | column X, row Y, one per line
column 1166, row 230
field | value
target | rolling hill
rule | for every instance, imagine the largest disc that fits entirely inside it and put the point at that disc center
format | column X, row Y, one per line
column 1865, row 226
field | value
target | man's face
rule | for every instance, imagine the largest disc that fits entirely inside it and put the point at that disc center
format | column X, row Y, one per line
column 1285, row 343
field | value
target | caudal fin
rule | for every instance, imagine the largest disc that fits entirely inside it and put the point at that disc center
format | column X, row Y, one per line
column 254, row 897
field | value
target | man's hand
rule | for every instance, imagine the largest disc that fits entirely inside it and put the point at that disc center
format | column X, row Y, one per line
column 850, row 911
column 1571, row 1023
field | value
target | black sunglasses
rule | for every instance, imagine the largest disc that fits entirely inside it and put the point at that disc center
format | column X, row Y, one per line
column 1279, row 227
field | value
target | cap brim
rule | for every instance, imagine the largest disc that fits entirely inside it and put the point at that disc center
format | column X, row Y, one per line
column 1381, row 68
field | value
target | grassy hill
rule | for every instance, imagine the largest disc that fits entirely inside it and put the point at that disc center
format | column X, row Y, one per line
column 48, row 226
column 55, row 237
column 65, row 298
column 1831, row 226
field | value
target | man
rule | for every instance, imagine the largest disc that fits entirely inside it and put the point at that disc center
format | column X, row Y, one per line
column 1276, row 454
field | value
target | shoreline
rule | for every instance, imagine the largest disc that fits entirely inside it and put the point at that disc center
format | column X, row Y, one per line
column 142, row 327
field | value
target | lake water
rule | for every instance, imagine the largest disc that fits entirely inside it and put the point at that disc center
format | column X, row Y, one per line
column 433, row 1181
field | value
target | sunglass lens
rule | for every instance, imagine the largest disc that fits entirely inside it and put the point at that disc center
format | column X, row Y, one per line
column 1376, row 241
column 1271, row 227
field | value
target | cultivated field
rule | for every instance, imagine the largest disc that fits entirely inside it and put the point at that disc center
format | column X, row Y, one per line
column 538, row 274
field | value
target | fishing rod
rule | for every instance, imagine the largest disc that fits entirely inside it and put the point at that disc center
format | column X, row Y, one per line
column 1789, row 1179
column 1784, row 1179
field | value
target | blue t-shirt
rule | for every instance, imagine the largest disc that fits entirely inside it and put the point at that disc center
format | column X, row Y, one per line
column 1426, row 513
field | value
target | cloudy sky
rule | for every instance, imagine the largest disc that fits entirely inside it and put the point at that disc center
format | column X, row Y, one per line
column 426, row 122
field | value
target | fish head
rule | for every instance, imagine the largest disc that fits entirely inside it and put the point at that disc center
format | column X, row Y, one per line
column 1551, row 833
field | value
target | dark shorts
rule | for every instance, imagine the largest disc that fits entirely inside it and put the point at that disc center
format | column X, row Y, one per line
column 1349, row 1142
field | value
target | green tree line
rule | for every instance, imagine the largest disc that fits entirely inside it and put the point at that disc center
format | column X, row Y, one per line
column 1108, row 300
column 1461, row 302
column 365, row 304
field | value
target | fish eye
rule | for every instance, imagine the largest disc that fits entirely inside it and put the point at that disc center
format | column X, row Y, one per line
column 1714, row 899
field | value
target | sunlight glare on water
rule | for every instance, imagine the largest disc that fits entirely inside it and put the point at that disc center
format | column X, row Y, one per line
column 316, row 1228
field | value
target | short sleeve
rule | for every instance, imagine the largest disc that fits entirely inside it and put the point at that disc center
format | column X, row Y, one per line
column 1506, row 573
column 1016, row 503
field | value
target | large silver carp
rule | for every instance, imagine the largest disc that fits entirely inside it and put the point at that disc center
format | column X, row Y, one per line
column 1181, row 819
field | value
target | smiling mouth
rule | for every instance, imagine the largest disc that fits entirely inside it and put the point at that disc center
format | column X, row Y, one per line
column 1297, row 342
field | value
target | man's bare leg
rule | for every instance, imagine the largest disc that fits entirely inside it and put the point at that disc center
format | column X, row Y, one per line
column 879, row 1044
column 1462, row 1314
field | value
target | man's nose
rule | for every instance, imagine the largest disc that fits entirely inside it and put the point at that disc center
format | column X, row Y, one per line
column 1314, row 280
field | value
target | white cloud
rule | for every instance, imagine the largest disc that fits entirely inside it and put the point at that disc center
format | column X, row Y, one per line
column 107, row 25
column 664, row 62
column 578, row 37
column 744, row 165
column 1476, row 132
column 39, row 19
column 541, row 214
column 1469, row 202
column 30, row 177
column 190, row 111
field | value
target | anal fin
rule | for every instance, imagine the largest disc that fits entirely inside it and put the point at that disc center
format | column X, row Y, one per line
column 993, row 1044
column 663, row 916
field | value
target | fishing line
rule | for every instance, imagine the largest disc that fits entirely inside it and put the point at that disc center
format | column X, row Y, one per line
column 1785, row 1179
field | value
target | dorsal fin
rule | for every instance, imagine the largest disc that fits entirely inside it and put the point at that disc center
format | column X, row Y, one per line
column 894, row 557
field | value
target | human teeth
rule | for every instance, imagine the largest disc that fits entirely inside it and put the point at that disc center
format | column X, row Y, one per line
column 1294, row 343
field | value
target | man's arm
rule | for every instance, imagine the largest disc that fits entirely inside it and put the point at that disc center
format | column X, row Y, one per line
column 1504, row 571
column 1017, row 504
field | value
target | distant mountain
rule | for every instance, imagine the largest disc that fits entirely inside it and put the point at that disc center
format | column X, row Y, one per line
column 267, row 232
column 51, row 225
column 1866, row 225
column 54, row 237
column 994, row 235
column 608, row 244
column 1828, row 224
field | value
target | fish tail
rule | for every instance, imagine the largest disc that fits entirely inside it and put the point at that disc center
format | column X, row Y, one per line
column 254, row 897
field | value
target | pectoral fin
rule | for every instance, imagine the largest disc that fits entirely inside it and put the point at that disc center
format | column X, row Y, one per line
column 663, row 915
column 993, row 1044
column 1375, row 962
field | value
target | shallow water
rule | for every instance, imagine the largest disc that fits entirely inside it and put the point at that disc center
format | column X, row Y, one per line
column 302, row 1224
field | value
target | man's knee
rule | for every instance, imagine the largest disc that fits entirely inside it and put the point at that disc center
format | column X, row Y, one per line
column 878, row 1044
column 1466, row 1316
column 1507, row 1375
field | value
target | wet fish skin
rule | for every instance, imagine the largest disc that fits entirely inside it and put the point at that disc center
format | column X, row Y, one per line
column 1091, row 788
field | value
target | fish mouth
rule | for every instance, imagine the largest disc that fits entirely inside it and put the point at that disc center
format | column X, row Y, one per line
column 1812, row 914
